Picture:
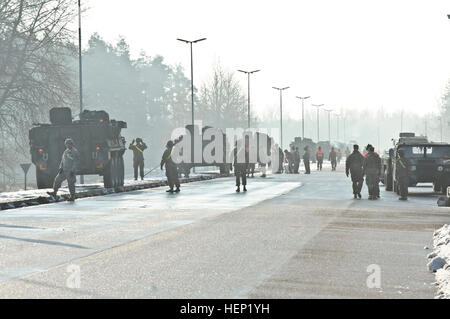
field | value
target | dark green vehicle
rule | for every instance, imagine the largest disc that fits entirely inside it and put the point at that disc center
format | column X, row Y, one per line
column 96, row 137
column 429, row 162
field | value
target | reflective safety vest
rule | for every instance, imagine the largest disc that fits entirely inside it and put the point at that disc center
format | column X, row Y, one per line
column 139, row 149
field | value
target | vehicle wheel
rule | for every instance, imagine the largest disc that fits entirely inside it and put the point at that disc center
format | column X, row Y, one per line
column 387, row 180
column 121, row 171
column 43, row 180
column 108, row 175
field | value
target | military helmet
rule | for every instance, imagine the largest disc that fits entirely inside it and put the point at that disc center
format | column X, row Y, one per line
column 68, row 141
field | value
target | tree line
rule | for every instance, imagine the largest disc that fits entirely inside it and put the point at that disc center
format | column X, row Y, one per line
column 39, row 71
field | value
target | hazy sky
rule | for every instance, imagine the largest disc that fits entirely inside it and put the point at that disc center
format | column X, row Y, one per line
column 346, row 53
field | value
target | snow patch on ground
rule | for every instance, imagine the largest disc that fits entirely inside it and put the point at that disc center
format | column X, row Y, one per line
column 440, row 261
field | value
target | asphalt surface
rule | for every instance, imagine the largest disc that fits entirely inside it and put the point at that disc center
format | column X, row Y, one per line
column 289, row 236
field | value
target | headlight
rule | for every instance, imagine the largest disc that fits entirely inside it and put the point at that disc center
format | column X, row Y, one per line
column 413, row 167
column 440, row 168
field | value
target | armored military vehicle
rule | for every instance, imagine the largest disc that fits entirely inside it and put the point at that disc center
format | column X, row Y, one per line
column 96, row 137
column 429, row 162
column 301, row 143
column 226, row 161
column 185, row 168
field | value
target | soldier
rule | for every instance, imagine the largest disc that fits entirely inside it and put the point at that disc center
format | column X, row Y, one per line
column 138, row 157
column 332, row 158
column 371, row 169
column 401, row 175
column 296, row 156
column 171, row 168
column 306, row 157
column 319, row 157
column 241, row 159
column 289, row 160
column 354, row 165
column 69, row 166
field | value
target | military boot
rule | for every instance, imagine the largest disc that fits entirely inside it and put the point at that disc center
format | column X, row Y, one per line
column 238, row 189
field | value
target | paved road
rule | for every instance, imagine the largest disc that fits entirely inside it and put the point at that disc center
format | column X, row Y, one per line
column 290, row 236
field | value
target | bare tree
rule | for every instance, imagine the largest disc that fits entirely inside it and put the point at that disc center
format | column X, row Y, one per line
column 222, row 101
column 35, row 57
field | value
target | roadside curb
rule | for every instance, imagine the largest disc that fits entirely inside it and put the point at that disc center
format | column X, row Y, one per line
column 102, row 191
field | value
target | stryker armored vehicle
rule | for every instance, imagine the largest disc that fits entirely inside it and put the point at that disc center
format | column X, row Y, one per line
column 96, row 137
column 429, row 162
column 226, row 161
column 301, row 143
column 185, row 168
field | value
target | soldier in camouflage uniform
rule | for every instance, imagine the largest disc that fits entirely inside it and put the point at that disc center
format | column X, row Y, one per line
column 371, row 169
column 68, row 168
column 171, row 168
column 401, row 175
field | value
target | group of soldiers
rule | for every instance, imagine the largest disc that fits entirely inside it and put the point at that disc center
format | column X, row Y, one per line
column 369, row 165
column 357, row 166
column 292, row 158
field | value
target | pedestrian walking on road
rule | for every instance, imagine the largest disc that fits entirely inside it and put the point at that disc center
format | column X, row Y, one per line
column 371, row 169
column 319, row 158
column 138, row 157
column 354, row 166
column 70, row 164
column 306, row 158
column 332, row 157
column 402, row 175
column 171, row 168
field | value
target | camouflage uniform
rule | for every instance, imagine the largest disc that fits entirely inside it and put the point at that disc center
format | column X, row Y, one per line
column 401, row 175
column 70, row 164
column 371, row 169
column 171, row 168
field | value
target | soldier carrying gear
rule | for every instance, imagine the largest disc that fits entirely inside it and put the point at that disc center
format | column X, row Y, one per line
column 319, row 157
column 354, row 165
column 138, row 157
column 332, row 157
column 171, row 168
column 306, row 157
column 401, row 175
column 70, row 164
column 371, row 169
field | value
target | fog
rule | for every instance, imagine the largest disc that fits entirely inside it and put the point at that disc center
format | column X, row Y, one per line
column 143, row 77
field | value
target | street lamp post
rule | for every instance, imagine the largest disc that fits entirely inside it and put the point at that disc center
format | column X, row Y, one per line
column 329, row 124
column 192, row 91
column 281, row 112
column 192, row 73
column 303, row 113
column 80, row 66
column 248, row 95
column 318, row 107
